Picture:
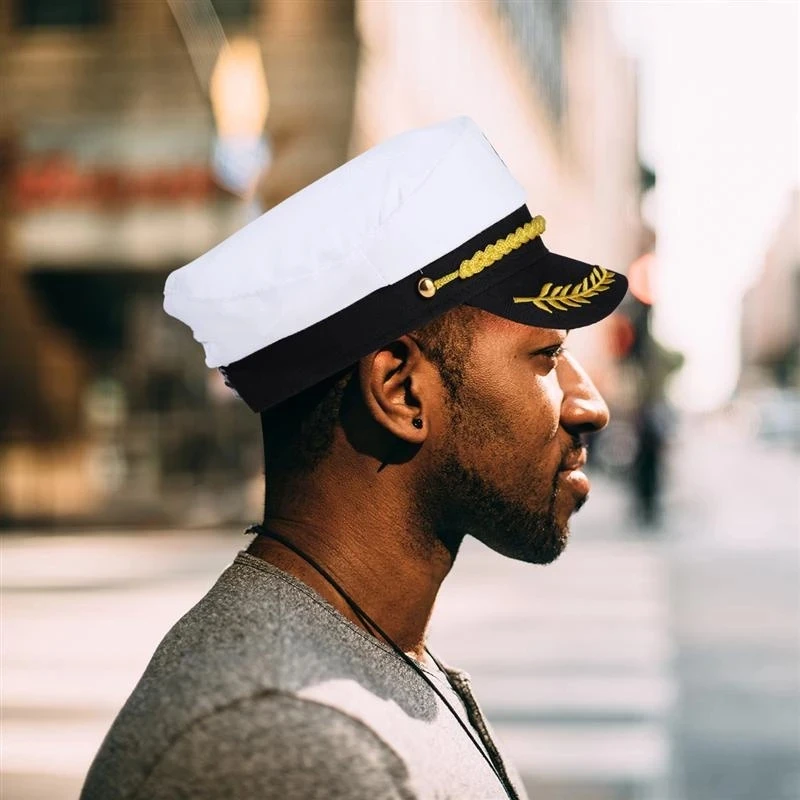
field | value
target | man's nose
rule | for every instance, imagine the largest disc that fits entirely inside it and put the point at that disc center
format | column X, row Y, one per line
column 583, row 409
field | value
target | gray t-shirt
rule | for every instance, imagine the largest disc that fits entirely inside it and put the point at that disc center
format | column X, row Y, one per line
column 263, row 690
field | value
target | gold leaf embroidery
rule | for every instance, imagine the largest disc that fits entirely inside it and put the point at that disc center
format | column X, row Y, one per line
column 562, row 298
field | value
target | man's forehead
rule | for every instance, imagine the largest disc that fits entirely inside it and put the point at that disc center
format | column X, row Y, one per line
column 492, row 325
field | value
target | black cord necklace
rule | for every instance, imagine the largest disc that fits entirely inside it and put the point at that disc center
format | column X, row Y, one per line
column 373, row 628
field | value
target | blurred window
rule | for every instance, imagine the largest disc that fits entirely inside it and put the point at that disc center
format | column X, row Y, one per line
column 233, row 10
column 45, row 13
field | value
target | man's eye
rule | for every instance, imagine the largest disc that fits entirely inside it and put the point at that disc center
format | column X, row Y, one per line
column 547, row 360
column 553, row 352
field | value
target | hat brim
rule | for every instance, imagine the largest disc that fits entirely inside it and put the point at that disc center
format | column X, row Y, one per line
column 554, row 292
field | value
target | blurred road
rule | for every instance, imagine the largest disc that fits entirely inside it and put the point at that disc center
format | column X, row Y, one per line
column 734, row 548
column 640, row 666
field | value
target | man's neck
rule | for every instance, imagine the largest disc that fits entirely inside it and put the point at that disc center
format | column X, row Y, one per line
column 375, row 550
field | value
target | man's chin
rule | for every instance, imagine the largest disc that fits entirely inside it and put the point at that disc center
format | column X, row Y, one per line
column 547, row 552
column 529, row 536
column 542, row 543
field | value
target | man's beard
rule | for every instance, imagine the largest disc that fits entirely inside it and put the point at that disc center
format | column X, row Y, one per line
column 454, row 501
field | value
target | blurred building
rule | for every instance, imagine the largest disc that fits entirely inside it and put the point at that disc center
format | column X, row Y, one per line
column 110, row 185
column 770, row 329
column 769, row 382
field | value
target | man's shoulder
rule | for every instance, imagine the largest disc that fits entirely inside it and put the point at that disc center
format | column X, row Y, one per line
column 257, row 637
column 268, row 745
column 256, row 630
column 256, row 624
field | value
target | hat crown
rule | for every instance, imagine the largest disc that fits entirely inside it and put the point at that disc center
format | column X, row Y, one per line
column 378, row 218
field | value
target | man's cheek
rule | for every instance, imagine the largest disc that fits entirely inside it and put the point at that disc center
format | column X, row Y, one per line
column 548, row 409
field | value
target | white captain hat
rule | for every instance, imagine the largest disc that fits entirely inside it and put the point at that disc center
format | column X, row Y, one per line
column 423, row 222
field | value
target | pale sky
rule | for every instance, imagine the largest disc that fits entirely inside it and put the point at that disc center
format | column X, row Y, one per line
column 719, row 123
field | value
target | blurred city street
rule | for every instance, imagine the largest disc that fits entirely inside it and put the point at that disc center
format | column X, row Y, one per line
column 659, row 657
column 659, row 665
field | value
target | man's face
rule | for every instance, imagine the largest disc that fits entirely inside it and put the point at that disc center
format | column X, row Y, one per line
column 507, row 465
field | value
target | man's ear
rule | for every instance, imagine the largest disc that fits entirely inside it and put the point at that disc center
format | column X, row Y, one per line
column 397, row 387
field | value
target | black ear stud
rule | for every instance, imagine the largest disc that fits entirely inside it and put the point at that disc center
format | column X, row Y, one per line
column 416, row 422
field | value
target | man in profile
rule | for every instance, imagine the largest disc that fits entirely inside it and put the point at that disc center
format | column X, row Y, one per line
column 400, row 327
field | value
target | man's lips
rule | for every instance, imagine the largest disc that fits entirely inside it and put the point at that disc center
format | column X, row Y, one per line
column 574, row 460
column 572, row 474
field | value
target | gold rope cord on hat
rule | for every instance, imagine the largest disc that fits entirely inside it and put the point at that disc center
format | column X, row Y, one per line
column 562, row 298
column 486, row 257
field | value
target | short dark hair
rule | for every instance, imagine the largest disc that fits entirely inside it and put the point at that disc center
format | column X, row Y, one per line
column 298, row 433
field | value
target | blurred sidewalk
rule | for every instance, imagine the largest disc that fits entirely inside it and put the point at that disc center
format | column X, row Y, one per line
column 631, row 669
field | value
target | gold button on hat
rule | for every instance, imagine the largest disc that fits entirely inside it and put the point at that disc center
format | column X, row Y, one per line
column 426, row 287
